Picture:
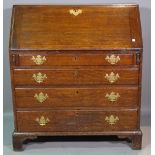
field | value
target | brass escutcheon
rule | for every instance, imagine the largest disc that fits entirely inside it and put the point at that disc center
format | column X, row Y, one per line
column 41, row 97
column 75, row 12
column 39, row 60
column 111, row 119
column 39, row 77
column 112, row 59
column 42, row 121
column 112, row 77
column 112, row 97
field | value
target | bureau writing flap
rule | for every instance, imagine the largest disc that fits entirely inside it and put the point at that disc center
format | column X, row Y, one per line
column 75, row 27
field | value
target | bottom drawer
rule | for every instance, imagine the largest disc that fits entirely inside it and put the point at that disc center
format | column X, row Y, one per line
column 76, row 121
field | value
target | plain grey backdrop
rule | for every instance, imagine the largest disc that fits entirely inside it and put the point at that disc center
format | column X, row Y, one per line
column 145, row 12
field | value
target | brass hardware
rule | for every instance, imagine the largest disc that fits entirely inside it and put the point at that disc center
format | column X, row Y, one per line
column 112, row 77
column 112, row 59
column 112, row 96
column 112, row 119
column 39, row 60
column 75, row 12
column 42, row 121
column 41, row 97
column 39, row 78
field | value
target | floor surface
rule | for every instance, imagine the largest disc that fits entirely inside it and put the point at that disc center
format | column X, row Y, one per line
column 75, row 148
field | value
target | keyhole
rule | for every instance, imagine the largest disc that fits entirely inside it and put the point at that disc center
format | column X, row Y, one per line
column 77, row 92
column 76, row 73
column 75, row 58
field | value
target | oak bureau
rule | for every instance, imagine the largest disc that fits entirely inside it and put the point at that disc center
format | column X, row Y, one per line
column 76, row 71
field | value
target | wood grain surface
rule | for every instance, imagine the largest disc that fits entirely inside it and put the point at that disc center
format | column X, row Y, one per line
column 76, row 76
column 74, row 47
column 76, row 121
column 53, row 27
column 81, row 97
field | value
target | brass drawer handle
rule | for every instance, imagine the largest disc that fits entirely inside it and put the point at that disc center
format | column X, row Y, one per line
column 41, row 97
column 39, row 60
column 112, row 59
column 39, row 77
column 111, row 119
column 42, row 121
column 112, row 97
column 112, row 77
column 75, row 12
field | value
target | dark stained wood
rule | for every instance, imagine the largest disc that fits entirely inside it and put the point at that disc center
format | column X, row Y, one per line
column 75, row 48
column 136, row 141
column 75, row 59
column 19, row 139
column 76, row 97
column 79, row 121
column 53, row 27
column 76, row 76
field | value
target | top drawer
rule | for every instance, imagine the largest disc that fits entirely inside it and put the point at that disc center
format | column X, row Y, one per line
column 45, row 59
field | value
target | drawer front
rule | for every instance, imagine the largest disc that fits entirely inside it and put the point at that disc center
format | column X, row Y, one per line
column 75, row 59
column 76, row 97
column 79, row 121
column 76, row 76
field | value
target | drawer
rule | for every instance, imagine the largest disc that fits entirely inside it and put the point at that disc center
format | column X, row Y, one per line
column 76, row 97
column 75, row 59
column 75, row 76
column 78, row 121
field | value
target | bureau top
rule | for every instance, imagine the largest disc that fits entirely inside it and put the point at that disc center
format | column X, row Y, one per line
column 104, row 27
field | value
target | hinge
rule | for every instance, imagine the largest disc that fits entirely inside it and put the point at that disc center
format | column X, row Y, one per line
column 138, row 58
